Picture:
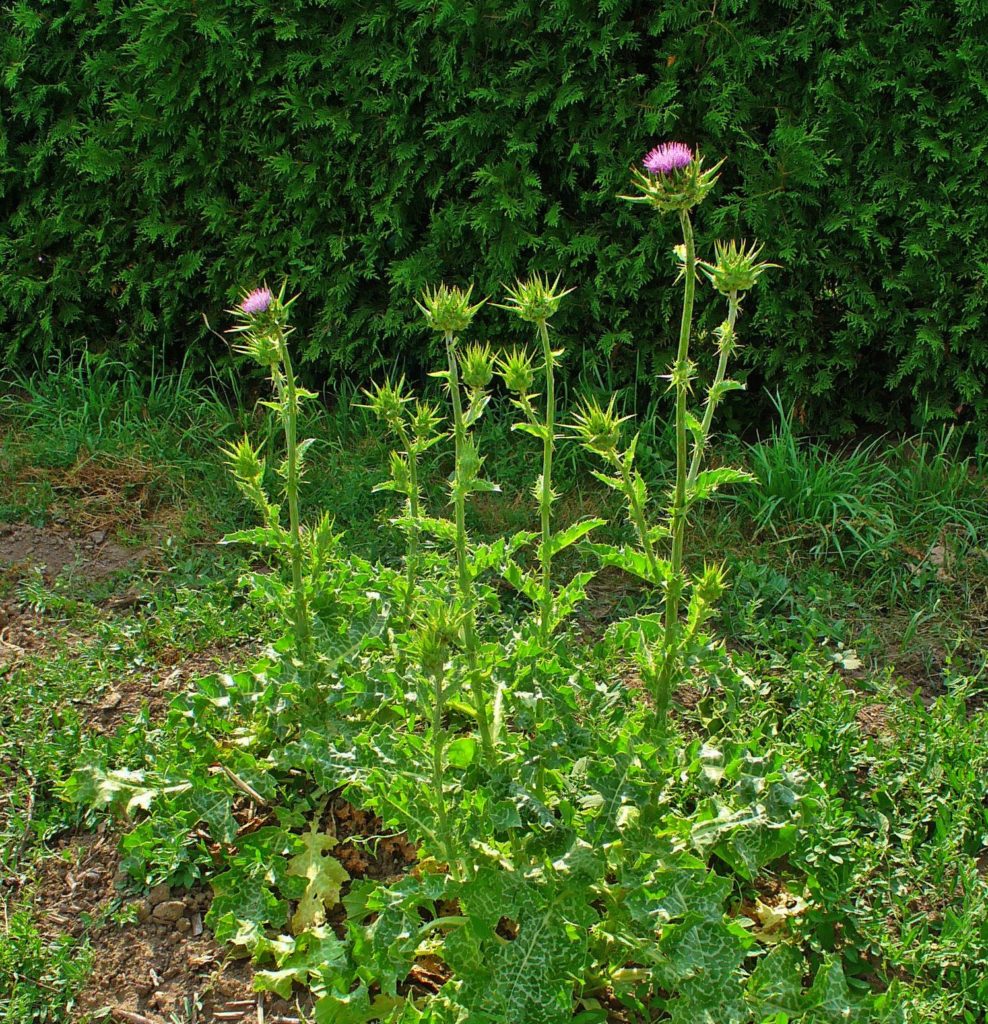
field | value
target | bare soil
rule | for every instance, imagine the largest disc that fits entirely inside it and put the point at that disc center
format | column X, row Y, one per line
column 164, row 963
column 55, row 550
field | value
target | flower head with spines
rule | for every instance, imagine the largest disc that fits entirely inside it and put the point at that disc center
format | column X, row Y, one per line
column 262, row 319
column 535, row 300
column 735, row 267
column 672, row 177
column 447, row 308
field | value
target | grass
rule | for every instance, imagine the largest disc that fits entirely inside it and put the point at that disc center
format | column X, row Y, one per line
column 857, row 613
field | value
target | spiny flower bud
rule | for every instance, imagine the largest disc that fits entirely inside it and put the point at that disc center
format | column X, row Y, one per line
column 244, row 460
column 400, row 473
column 477, row 366
column 425, row 421
column 437, row 636
column 387, row 401
column 672, row 178
column 535, row 300
column 711, row 585
column 447, row 309
column 517, row 370
column 262, row 319
column 599, row 429
column 736, row 267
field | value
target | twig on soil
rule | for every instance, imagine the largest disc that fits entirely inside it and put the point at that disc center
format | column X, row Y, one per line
column 244, row 787
column 129, row 1017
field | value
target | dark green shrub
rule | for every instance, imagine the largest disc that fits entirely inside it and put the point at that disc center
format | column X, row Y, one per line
column 155, row 151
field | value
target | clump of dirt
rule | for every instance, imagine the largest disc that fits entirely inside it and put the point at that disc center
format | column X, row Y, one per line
column 54, row 550
column 365, row 849
column 873, row 719
column 161, row 964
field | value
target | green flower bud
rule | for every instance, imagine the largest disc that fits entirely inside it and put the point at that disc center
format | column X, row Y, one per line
column 448, row 310
column 736, row 267
column 517, row 370
column 437, row 636
column 425, row 421
column 535, row 300
column 711, row 585
column 400, row 473
column 477, row 366
column 387, row 401
column 598, row 429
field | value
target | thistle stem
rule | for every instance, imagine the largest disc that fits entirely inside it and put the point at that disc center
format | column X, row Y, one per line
column 713, row 394
column 638, row 516
column 678, row 513
column 411, row 557
column 438, row 746
column 545, row 497
column 289, row 408
column 465, row 581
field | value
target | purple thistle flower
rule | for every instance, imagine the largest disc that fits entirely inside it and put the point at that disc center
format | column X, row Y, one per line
column 669, row 157
column 257, row 301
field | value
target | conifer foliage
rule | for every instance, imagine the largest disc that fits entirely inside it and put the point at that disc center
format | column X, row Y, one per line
column 153, row 151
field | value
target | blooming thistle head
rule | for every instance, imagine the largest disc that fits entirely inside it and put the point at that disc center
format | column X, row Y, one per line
column 257, row 301
column 672, row 177
column 262, row 320
column 447, row 309
column 668, row 157
column 736, row 267
column 535, row 300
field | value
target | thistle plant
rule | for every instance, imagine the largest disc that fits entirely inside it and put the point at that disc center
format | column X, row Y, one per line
column 414, row 424
column 535, row 301
column 448, row 311
column 673, row 179
column 263, row 327
column 436, row 637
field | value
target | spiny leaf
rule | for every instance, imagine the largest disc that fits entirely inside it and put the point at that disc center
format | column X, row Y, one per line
column 323, row 874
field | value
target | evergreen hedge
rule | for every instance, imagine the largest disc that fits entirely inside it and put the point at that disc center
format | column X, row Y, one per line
column 157, row 154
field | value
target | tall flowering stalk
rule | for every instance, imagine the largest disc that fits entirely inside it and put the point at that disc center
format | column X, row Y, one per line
column 264, row 329
column 673, row 179
column 448, row 312
column 535, row 301
column 437, row 635
column 416, row 431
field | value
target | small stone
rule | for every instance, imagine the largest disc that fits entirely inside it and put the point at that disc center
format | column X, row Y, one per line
column 170, row 910
column 183, row 925
column 98, row 536
column 159, row 893
column 143, row 912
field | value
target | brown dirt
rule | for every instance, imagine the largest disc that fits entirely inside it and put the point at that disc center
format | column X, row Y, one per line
column 163, row 963
column 102, row 492
column 55, row 550
column 874, row 720
column 166, row 961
